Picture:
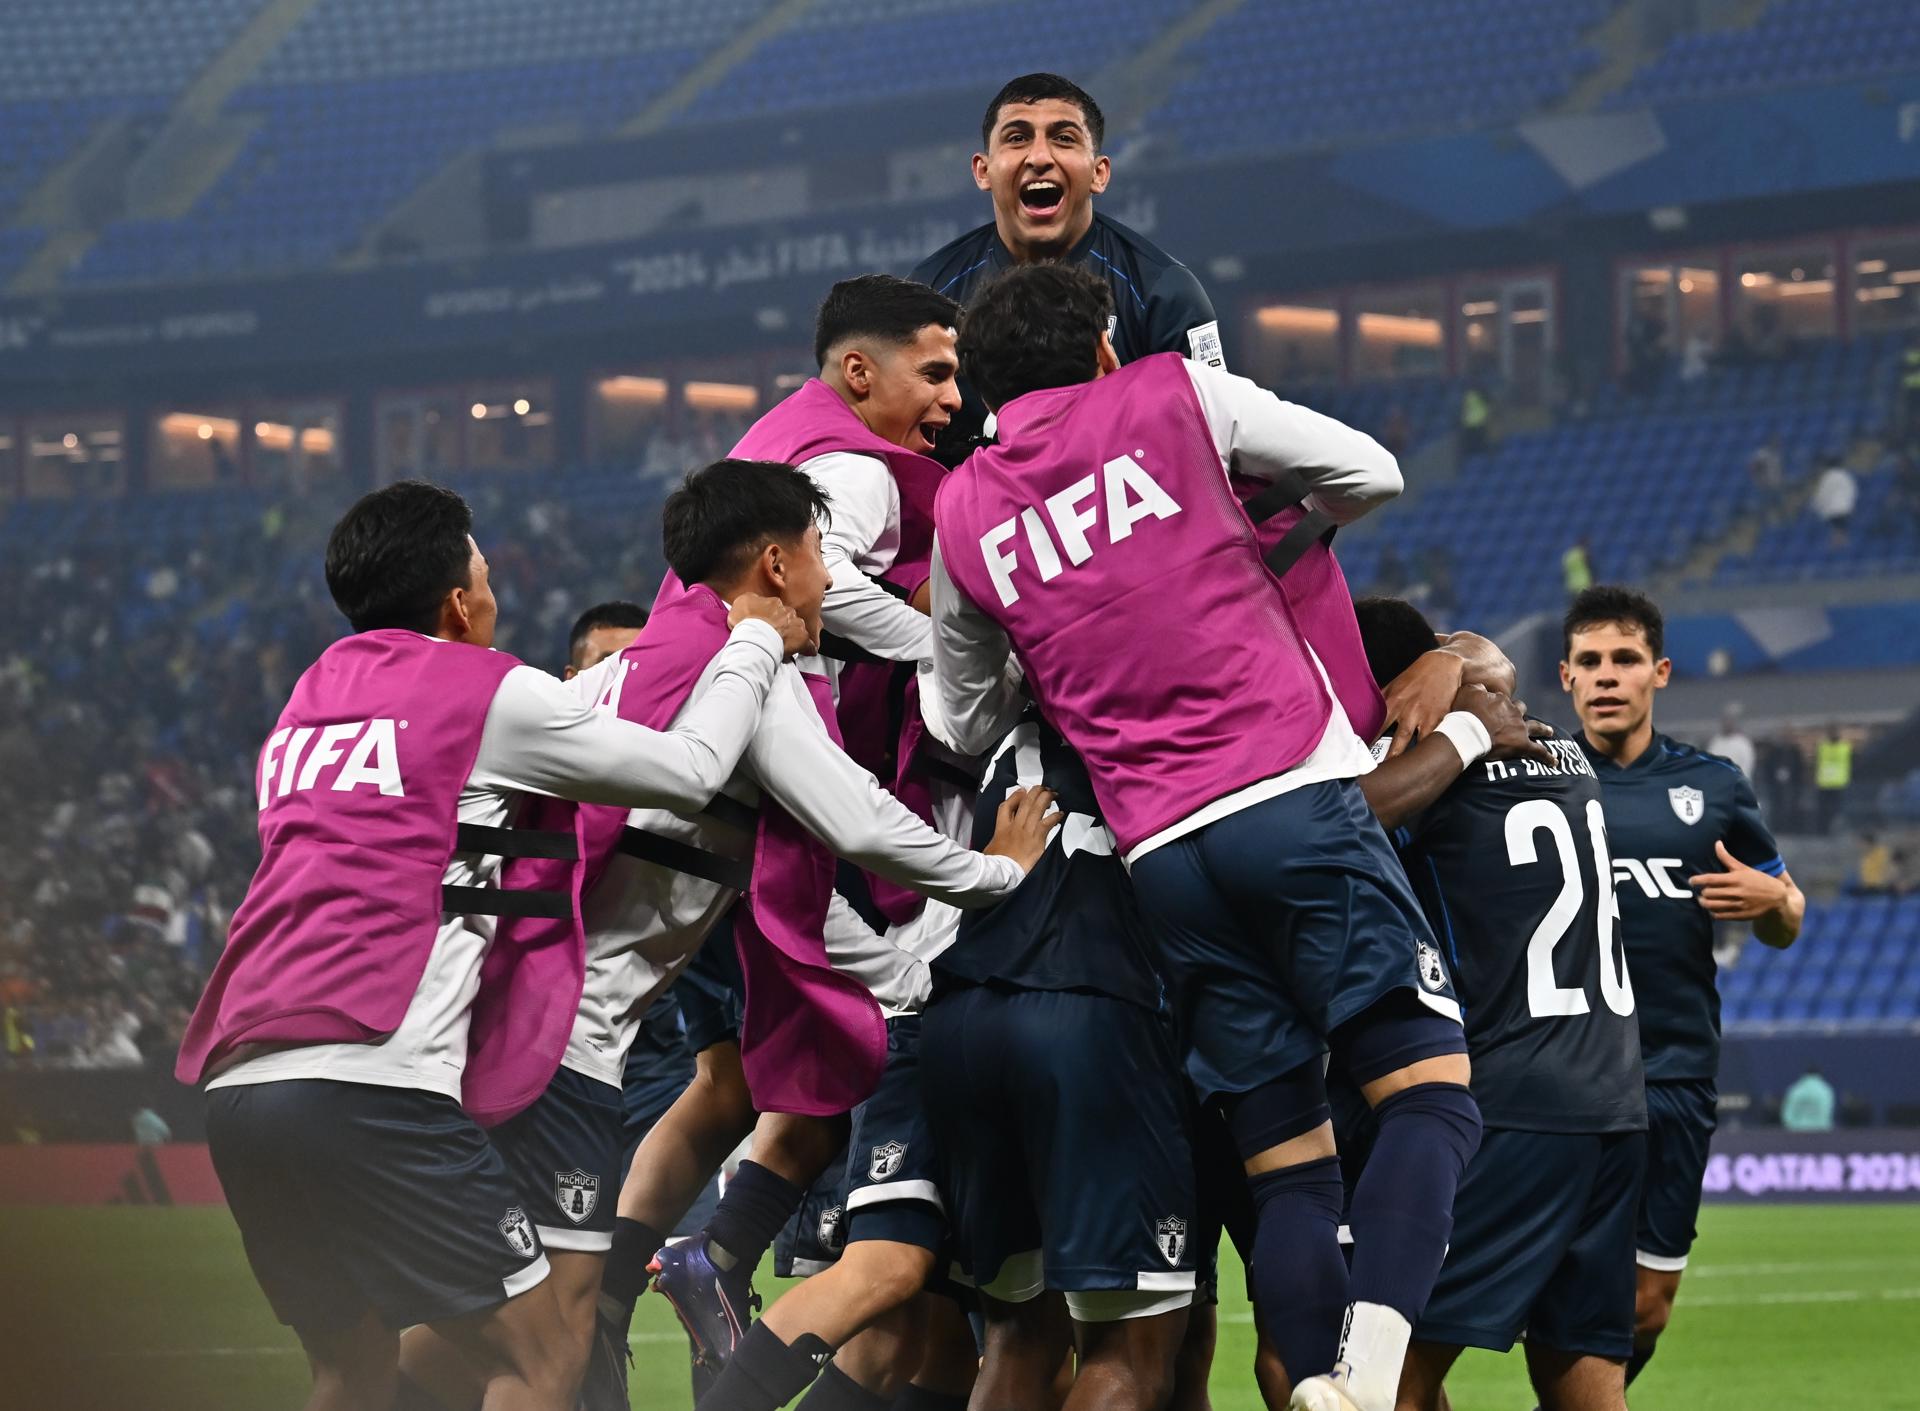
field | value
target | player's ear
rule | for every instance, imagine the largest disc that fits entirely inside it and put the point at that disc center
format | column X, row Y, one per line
column 1102, row 173
column 856, row 370
column 980, row 171
column 1662, row 672
column 1566, row 679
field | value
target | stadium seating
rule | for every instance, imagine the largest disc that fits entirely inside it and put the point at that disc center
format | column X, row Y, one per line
column 1885, row 538
column 1289, row 73
column 1795, row 41
column 1857, row 964
column 868, row 50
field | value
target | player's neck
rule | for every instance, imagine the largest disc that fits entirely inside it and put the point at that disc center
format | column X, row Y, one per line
column 1032, row 252
column 1623, row 750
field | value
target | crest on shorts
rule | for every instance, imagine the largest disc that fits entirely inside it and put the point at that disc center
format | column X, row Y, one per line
column 886, row 1160
column 1689, row 805
column 576, row 1192
column 1432, row 973
column 1171, row 1235
column 830, row 1233
column 518, row 1232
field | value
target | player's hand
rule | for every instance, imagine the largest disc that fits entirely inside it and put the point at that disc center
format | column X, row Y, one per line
column 1023, row 825
column 1741, row 893
column 1506, row 721
column 794, row 635
column 1420, row 697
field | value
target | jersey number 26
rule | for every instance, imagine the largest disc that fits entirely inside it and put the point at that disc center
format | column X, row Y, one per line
column 1547, row 998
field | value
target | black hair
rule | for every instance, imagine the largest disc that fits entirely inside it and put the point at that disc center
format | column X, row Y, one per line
column 618, row 613
column 393, row 558
column 725, row 513
column 883, row 307
column 1034, row 326
column 1395, row 633
column 1608, row 602
column 1037, row 88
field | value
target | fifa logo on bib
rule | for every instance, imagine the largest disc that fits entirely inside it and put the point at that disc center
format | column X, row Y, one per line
column 1689, row 805
column 886, row 1160
column 1121, row 495
column 576, row 1192
column 1171, row 1235
column 518, row 1232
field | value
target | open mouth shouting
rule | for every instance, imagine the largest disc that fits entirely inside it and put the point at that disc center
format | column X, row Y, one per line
column 1042, row 199
column 929, row 433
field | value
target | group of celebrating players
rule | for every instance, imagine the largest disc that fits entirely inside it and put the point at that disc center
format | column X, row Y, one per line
column 1041, row 897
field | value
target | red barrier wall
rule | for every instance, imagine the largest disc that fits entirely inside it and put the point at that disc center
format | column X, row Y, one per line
column 176, row 1174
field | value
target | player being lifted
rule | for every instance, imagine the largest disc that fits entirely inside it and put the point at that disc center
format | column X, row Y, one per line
column 1101, row 543
column 1689, row 849
column 1505, row 844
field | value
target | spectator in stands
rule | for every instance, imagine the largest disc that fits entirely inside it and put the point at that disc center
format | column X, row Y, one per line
column 1732, row 742
column 1808, row 1105
column 1767, row 468
column 1835, row 494
column 1694, row 357
column 1782, row 783
column 1476, row 416
column 1396, row 431
column 1770, row 341
column 1832, row 774
column 1576, row 567
column 149, row 1128
column 1878, row 873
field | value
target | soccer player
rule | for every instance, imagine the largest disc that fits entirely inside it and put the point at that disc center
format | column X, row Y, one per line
column 333, row 1034
column 599, row 632
column 1505, row 843
column 655, row 887
column 1689, row 850
column 1100, row 542
column 1041, row 161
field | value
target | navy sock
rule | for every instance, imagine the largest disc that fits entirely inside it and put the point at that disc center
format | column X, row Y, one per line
column 913, row 1398
column 1402, row 1213
column 1299, row 1275
column 750, row 1214
column 1637, row 1363
column 634, row 1245
column 765, row 1373
column 836, row 1391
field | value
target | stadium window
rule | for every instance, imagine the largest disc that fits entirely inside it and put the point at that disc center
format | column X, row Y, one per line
column 295, row 442
column 1505, row 332
column 73, row 453
column 1886, row 282
column 626, row 411
column 1296, row 342
column 420, row 433
column 1785, row 293
column 719, row 398
column 512, row 427
column 1669, row 306
column 194, row 450
column 1400, row 332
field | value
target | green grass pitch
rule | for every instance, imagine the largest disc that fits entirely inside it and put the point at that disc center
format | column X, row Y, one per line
column 154, row 1310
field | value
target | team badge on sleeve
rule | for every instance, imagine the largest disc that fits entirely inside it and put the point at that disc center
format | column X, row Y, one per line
column 830, row 1232
column 1171, row 1235
column 576, row 1192
column 886, row 1160
column 1203, row 345
column 1689, row 805
column 518, row 1231
column 1432, row 973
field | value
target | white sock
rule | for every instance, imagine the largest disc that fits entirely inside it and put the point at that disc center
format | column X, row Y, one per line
column 1373, row 1348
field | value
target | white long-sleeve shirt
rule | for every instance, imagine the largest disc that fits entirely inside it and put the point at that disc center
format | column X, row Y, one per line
column 975, row 696
column 645, row 921
column 861, row 541
column 539, row 738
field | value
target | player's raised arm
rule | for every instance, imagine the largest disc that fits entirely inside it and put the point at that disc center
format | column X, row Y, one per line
column 1345, row 472
column 542, row 737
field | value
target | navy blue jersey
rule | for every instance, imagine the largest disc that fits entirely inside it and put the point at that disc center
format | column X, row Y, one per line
column 1665, row 811
column 1072, row 924
column 1158, row 304
column 1511, row 866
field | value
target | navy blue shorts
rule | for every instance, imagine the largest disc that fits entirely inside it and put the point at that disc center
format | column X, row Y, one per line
column 814, row 1235
column 659, row 1066
column 893, row 1171
column 1062, row 1118
column 564, row 1152
column 1542, row 1245
column 352, row 1198
column 1681, row 1116
column 711, row 992
column 1277, row 924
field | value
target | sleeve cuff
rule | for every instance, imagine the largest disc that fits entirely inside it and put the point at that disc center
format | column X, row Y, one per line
column 1773, row 867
